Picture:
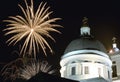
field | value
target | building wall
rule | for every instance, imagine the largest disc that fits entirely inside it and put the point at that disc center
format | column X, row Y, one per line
column 115, row 57
column 86, row 66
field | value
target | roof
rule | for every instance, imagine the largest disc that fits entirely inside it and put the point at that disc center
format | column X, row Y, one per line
column 84, row 43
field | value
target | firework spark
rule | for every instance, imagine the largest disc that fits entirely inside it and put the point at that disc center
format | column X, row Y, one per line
column 11, row 70
column 31, row 28
column 34, row 68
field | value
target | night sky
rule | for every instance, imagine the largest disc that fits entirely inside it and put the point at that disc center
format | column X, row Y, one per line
column 103, row 16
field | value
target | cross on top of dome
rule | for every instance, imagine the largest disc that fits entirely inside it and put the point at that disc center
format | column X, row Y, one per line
column 85, row 21
column 114, row 42
column 85, row 30
column 114, row 39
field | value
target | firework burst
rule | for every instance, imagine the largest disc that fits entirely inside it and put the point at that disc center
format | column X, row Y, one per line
column 11, row 70
column 31, row 28
column 35, row 67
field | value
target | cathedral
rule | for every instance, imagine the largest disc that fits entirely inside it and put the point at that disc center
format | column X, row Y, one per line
column 86, row 59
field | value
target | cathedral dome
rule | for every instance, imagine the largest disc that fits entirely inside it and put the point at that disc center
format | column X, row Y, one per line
column 85, row 43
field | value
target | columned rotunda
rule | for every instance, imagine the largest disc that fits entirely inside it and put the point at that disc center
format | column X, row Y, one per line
column 86, row 58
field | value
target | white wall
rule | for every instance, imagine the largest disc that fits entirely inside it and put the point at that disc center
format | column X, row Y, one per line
column 116, row 58
column 94, row 62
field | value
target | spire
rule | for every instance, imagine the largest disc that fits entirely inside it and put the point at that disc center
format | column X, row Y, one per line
column 114, row 42
column 85, row 30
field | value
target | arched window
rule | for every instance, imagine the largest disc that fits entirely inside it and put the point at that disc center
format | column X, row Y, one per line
column 114, row 68
column 73, row 67
column 86, row 70
column 73, row 70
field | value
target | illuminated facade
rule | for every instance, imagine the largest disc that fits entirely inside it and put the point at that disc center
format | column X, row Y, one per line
column 115, row 57
column 85, row 59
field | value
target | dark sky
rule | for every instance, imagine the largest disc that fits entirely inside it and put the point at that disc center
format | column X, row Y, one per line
column 103, row 15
